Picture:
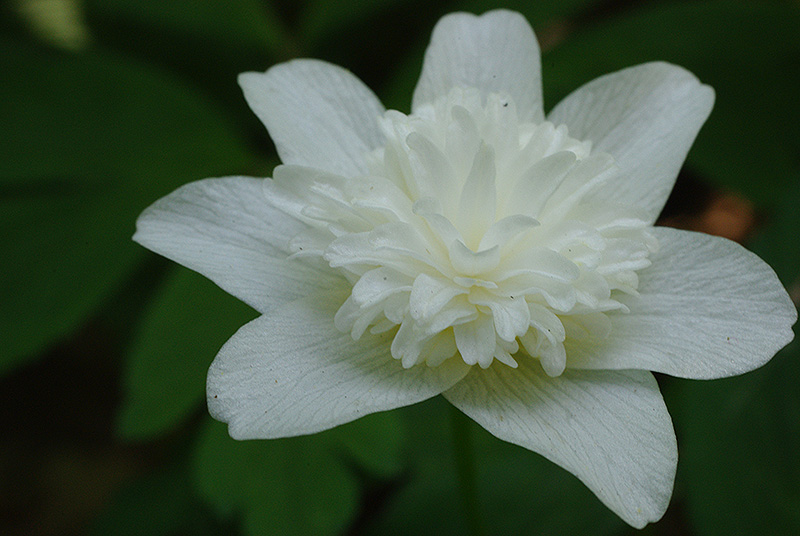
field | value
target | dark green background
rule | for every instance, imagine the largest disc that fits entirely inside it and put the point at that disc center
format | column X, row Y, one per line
column 105, row 346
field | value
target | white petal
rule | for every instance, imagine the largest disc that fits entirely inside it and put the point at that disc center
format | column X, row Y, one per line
column 429, row 295
column 476, row 341
column 511, row 317
column 291, row 372
column 226, row 230
column 467, row 262
column 496, row 52
column 505, row 230
column 611, row 429
column 647, row 118
column 319, row 115
column 553, row 359
column 376, row 285
column 534, row 187
column 476, row 207
column 707, row 308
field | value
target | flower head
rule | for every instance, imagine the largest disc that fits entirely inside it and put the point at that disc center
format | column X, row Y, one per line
column 477, row 249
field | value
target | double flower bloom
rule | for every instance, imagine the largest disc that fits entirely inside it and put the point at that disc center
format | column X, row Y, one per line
column 479, row 250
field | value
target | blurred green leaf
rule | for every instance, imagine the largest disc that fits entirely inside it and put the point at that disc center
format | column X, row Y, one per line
column 546, row 496
column 206, row 42
column 102, row 121
column 739, row 439
column 246, row 22
column 94, row 140
column 428, row 500
column 779, row 242
column 165, row 377
column 62, row 255
column 520, row 492
column 281, row 487
column 747, row 51
column 323, row 18
column 160, row 504
column 373, row 443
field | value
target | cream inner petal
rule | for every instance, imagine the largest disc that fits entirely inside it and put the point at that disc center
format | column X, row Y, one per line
column 474, row 234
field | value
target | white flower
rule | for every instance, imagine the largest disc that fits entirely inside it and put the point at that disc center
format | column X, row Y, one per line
column 476, row 249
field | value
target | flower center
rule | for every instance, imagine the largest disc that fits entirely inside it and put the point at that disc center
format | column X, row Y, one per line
column 473, row 234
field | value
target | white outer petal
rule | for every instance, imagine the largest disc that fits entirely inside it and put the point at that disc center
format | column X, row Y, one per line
column 226, row 230
column 708, row 308
column 318, row 114
column 647, row 118
column 495, row 52
column 609, row 428
column 291, row 372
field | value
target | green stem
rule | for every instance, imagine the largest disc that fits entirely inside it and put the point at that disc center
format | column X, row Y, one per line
column 465, row 470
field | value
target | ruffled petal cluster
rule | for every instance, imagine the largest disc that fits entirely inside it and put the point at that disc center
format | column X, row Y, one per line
column 472, row 232
column 479, row 249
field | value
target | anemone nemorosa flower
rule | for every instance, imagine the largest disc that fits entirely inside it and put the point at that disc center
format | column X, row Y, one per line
column 478, row 249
